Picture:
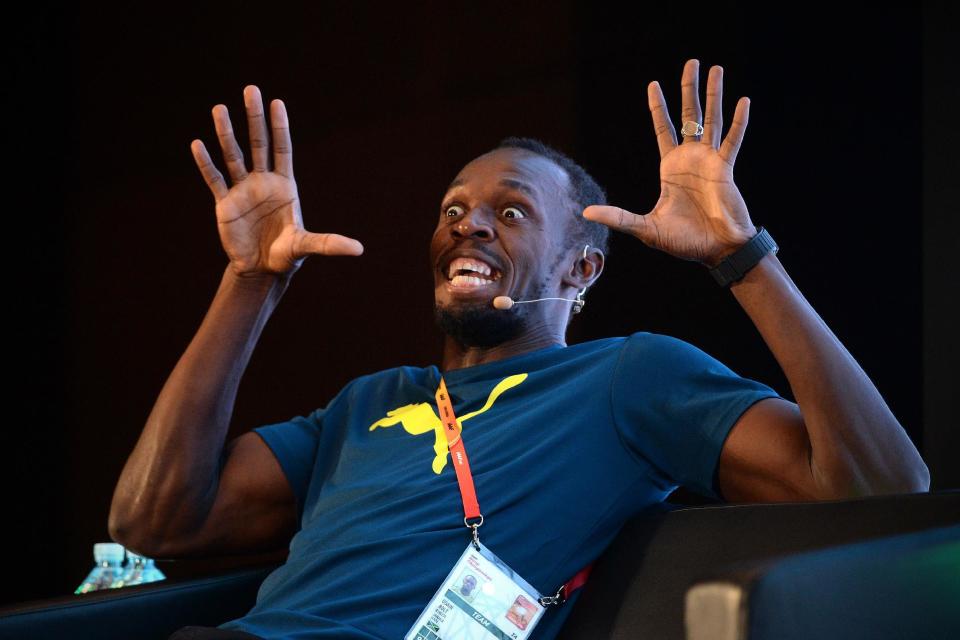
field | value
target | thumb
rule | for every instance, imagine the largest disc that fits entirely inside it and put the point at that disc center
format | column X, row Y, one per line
column 620, row 220
column 329, row 244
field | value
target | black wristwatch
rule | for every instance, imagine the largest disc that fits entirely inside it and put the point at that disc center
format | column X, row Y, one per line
column 736, row 265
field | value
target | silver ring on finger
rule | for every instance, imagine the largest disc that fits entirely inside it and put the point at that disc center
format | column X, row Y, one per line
column 691, row 128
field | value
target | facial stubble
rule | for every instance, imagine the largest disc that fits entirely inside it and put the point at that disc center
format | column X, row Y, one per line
column 480, row 324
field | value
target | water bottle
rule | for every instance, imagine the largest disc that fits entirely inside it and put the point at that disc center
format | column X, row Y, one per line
column 138, row 570
column 108, row 556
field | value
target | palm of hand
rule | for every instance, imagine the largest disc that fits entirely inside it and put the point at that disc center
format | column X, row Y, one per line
column 259, row 218
column 259, row 222
column 700, row 212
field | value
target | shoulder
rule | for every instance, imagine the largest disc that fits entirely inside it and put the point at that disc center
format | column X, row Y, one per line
column 592, row 347
column 664, row 349
column 657, row 342
column 391, row 376
column 663, row 360
column 639, row 346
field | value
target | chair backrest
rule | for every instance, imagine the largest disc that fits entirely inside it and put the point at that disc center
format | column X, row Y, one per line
column 900, row 586
column 637, row 587
column 147, row 612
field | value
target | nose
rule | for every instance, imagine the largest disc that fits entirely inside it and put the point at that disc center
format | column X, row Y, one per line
column 473, row 224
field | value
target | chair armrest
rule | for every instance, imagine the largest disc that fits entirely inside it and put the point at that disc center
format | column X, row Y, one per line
column 153, row 610
column 902, row 586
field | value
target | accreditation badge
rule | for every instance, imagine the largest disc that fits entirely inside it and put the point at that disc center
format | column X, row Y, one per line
column 480, row 599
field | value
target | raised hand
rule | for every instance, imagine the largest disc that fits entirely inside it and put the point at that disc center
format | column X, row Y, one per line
column 700, row 215
column 259, row 217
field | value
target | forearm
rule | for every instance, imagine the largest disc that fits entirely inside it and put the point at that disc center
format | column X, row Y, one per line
column 857, row 445
column 169, row 481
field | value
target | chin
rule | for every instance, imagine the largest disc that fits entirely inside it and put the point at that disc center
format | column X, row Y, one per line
column 479, row 324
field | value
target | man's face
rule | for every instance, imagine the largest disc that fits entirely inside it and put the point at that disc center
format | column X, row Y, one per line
column 504, row 218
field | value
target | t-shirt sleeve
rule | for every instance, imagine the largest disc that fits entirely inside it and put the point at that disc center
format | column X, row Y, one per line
column 674, row 406
column 294, row 443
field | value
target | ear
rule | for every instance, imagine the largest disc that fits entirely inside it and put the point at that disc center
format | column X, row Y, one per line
column 585, row 267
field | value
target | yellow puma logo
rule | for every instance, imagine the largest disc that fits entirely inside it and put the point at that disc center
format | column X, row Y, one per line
column 421, row 417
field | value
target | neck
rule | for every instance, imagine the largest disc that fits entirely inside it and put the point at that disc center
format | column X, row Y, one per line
column 458, row 356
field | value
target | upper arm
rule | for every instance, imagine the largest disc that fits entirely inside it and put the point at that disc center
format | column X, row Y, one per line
column 766, row 456
column 254, row 509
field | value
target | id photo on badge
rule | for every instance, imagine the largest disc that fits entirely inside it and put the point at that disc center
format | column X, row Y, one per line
column 468, row 586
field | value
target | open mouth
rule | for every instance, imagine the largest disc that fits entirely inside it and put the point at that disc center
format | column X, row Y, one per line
column 470, row 273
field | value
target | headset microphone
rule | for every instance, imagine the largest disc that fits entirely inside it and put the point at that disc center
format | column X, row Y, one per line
column 505, row 302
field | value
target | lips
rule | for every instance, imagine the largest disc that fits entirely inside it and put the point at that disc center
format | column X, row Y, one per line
column 473, row 264
column 470, row 271
column 473, row 269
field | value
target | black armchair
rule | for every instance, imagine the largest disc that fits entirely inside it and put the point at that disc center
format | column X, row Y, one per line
column 712, row 563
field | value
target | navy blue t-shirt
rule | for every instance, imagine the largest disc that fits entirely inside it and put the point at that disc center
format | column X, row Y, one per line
column 565, row 445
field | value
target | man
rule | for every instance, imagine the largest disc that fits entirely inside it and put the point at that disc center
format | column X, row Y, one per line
column 565, row 442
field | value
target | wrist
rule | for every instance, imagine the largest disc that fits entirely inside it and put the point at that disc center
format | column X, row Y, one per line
column 735, row 264
column 258, row 282
column 728, row 251
column 768, row 266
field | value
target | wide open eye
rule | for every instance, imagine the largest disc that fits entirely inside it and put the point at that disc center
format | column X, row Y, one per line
column 455, row 208
column 514, row 212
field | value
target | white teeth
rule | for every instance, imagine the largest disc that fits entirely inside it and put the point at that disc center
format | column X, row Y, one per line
column 469, row 281
column 471, row 264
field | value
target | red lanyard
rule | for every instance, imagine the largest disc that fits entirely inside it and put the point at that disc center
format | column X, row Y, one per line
column 471, row 508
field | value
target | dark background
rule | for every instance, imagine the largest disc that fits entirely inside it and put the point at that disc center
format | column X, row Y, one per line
column 113, row 255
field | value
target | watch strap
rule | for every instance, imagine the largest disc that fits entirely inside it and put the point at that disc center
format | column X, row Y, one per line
column 737, row 264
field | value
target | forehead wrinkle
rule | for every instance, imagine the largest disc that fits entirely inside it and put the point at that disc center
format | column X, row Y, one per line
column 519, row 186
column 511, row 183
column 531, row 174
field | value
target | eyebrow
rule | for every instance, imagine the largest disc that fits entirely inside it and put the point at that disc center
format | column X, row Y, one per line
column 504, row 182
